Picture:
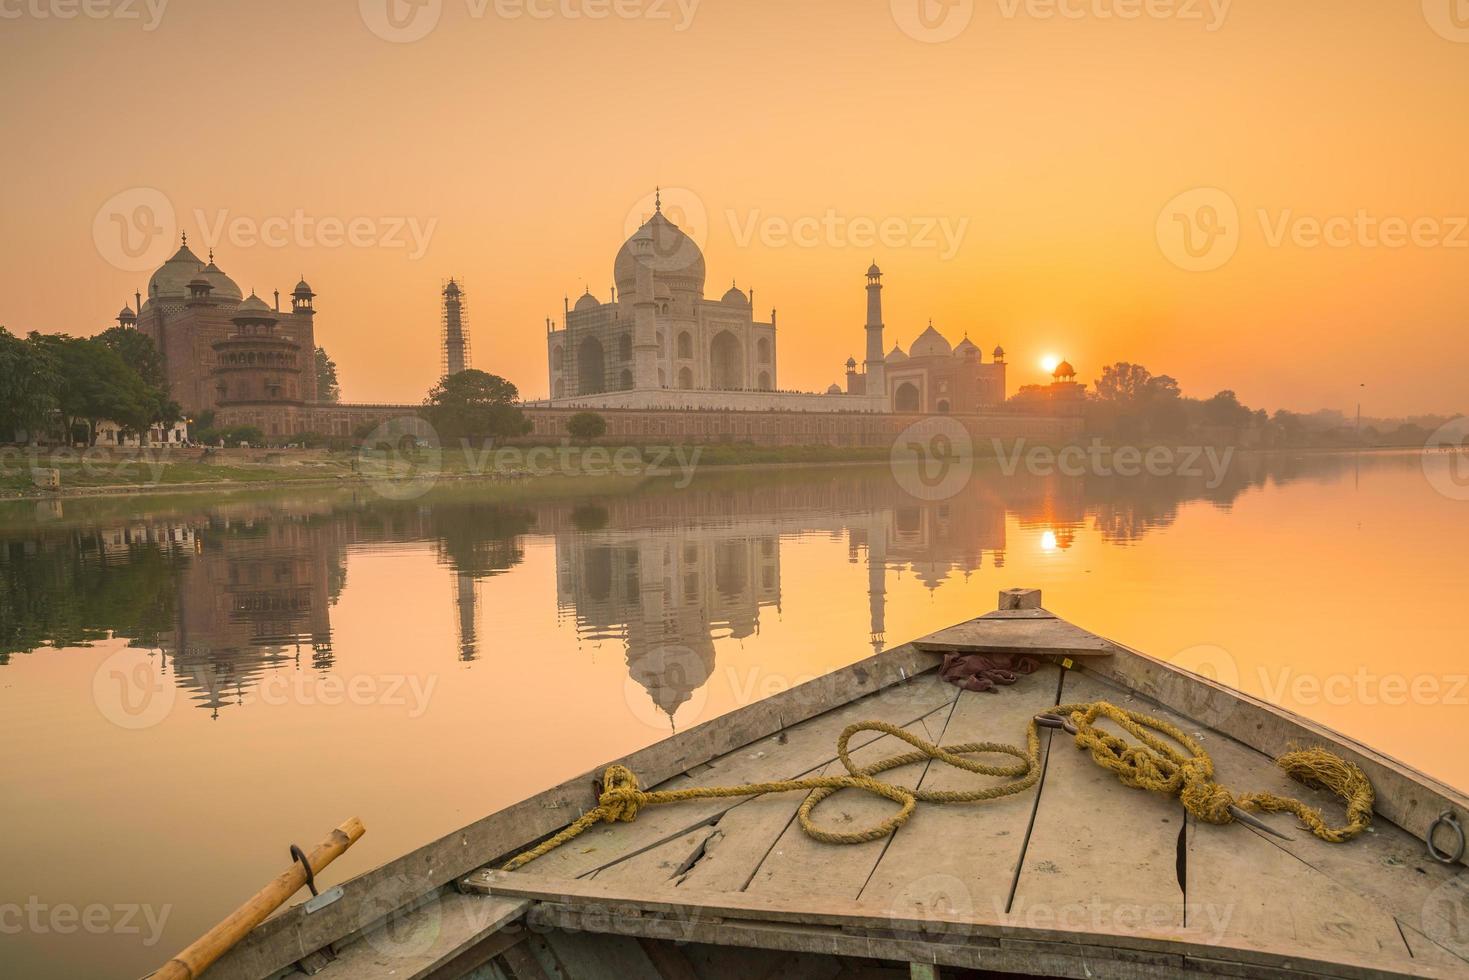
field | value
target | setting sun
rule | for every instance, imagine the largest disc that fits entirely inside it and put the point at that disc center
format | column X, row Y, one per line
column 1050, row 362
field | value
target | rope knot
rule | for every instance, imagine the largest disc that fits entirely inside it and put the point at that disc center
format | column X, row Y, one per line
column 621, row 796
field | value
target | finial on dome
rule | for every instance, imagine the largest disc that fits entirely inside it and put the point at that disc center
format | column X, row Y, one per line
column 211, row 256
column 658, row 199
column 185, row 236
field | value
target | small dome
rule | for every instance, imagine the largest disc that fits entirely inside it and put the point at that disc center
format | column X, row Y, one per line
column 895, row 355
column 834, row 390
column 999, row 353
column 930, row 343
column 221, row 286
column 586, row 302
column 735, row 297
column 126, row 313
column 1064, row 370
column 966, row 348
column 452, row 289
column 851, row 363
column 254, row 309
column 873, row 270
column 199, row 282
column 302, row 289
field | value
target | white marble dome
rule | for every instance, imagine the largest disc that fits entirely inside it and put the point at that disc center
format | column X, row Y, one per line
column 675, row 258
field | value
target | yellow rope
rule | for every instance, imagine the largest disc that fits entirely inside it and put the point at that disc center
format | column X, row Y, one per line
column 1153, row 765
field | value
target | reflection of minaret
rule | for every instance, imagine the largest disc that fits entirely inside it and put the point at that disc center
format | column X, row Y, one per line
column 455, row 339
column 464, row 600
column 877, row 558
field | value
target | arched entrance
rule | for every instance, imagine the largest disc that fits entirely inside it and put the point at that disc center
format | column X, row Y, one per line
column 764, row 383
column 726, row 362
column 591, row 365
column 685, row 378
column 905, row 397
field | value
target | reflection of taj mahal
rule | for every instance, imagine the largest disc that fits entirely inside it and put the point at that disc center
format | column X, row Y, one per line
column 658, row 342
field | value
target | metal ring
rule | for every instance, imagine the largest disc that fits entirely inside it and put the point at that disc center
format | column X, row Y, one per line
column 300, row 855
column 1443, row 857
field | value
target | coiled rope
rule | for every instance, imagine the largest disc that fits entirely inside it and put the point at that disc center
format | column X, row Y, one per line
column 1153, row 764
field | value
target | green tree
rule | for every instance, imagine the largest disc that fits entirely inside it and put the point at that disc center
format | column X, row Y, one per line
column 1123, row 383
column 328, row 389
column 30, row 379
column 138, row 352
column 475, row 405
column 96, row 384
column 586, row 426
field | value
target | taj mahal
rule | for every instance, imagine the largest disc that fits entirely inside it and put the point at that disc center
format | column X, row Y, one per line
column 658, row 342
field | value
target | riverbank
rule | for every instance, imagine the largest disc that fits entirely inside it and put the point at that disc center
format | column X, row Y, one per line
column 102, row 472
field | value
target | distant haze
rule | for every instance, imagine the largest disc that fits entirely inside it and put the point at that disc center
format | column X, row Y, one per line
column 509, row 150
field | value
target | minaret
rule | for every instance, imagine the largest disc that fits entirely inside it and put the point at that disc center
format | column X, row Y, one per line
column 876, row 383
column 644, row 319
column 455, row 339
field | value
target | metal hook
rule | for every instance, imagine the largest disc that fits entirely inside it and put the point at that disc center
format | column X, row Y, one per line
column 299, row 855
column 1444, row 857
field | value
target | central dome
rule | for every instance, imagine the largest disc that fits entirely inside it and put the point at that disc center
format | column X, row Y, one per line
column 171, row 281
column 675, row 258
column 930, row 343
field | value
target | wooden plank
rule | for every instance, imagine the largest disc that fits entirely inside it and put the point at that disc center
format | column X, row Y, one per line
column 688, row 915
column 1427, row 951
column 668, row 960
column 799, row 865
column 292, row 934
column 585, row 956
column 416, row 943
column 965, row 856
column 1099, row 852
column 1408, row 798
column 1038, row 637
column 799, row 750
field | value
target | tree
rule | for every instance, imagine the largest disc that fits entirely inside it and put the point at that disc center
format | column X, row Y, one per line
column 1224, row 409
column 30, row 379
column 586, row 426
column 327, row 387
column 138, row 352
column 1124, row 383
column 475, row 405
column 96, row 384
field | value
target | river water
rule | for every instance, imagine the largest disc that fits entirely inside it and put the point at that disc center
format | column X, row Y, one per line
column 188, row 685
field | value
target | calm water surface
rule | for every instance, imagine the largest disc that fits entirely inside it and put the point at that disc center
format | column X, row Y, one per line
column 188, row 686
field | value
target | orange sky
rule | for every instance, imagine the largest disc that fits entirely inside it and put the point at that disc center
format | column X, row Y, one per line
column 525, row 142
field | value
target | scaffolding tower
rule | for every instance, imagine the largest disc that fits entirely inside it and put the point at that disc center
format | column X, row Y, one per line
column 455, row 352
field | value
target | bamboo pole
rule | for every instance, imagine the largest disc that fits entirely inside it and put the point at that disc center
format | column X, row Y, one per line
column 217, row 941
